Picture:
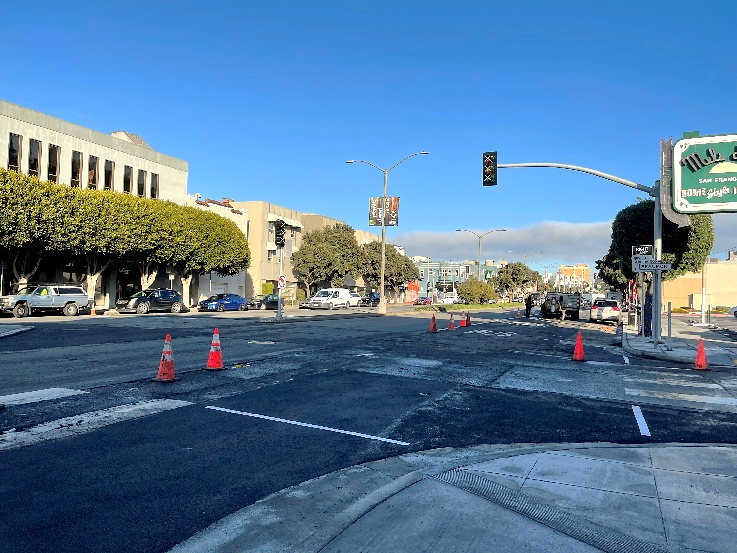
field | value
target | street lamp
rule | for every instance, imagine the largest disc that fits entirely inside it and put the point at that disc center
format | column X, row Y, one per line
column 382, row 292
column 480, row 236
column 524, row 255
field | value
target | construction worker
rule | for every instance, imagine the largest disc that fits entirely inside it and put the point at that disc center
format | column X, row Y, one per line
column 528, row 305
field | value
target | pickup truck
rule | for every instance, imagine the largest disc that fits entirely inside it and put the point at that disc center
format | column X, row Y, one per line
column 67, row 298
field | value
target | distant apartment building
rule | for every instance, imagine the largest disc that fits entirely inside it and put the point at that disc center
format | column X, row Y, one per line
column 573, row 276
column 48, row 148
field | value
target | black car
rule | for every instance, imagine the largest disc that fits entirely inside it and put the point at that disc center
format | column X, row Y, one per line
column 265, row 302
column 561, row 306
column 158, row 299
column 370, row 300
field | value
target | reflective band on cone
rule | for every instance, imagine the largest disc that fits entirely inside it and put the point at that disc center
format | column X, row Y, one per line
column 166, row 366
column 215, row 359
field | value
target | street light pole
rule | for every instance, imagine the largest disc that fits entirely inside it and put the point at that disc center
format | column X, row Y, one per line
column 524, row 255
column 382, row 291
column 480, row 236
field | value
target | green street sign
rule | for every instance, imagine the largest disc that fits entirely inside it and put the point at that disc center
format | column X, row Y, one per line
column 705, row 174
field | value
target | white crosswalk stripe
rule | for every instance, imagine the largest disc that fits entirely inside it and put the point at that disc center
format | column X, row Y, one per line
column 38, row 395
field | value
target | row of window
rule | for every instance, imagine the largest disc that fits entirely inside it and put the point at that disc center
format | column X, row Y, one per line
column 97, row 173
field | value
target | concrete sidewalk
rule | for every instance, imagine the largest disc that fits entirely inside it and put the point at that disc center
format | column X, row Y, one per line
column 565, row 497
column 720, row 350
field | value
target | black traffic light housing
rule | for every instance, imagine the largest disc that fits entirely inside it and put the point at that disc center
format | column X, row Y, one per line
column 489, row 169
column 280, row 231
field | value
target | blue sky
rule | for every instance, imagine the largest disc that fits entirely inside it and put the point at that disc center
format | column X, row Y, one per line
column 266, row 101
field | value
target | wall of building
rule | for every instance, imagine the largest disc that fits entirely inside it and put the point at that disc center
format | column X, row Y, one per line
column 721, row 287
column 29, row 124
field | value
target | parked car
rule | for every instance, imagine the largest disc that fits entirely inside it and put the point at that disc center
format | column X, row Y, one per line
column 270, row 302
column 67, row 298
column 256, row 300
column 733, row 311
column 223, row 302
column 605, row 310
column 354, row 299
column 330, row 298
column 305, row 303
column 370, row 300
column 561, row 306
column 423, row 301
column 158, row 299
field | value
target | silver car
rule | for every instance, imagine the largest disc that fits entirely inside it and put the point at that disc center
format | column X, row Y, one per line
column 605, row 310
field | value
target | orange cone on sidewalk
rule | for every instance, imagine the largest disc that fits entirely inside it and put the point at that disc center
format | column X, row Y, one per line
column 166, row 366
column 433, row 326
column 215, row 359
column 451, row 324
column 463, row 319
column 701, row 364
column 578, row 350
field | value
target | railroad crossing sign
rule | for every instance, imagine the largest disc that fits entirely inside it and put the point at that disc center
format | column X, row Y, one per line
column 282, row 282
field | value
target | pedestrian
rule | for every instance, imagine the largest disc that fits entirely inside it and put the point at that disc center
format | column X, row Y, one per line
column 528, row 305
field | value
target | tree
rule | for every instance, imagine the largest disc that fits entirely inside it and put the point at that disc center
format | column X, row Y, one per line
column 516, row 275
column 475, row 291
column 327, row 255
column 399, row 269
column 686, row 248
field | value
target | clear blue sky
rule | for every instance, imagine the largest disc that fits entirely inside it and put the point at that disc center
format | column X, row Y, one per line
column 267, row 100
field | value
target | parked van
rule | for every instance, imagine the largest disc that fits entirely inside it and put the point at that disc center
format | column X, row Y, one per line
column 331, row 298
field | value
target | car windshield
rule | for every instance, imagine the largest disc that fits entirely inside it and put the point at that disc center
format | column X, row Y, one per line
column 143, row 294
column 27, row 291
column 216, row 297
column 322, row 294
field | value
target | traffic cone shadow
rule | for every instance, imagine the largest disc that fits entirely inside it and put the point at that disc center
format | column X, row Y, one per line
column 451, row 324
column 166, row 365
column 215, row 359
column 701, row 364
column 578, row 350
column 433, row 326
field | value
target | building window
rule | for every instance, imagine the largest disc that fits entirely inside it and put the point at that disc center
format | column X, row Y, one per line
column 141, row 183
column 76, row 168
column 109, row 172
column 14, row 152
column 154, row 186
column 293, row 233
column 269, row 255
column 271, row 227
column 34, row 159
column 92, row 173
column 53, row 172
column 127, row 179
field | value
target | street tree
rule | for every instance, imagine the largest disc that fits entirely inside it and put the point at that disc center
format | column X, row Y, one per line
column 474, row 291
column 686, row 248
column 516, row 275
column 327, row 255
column 399, row 269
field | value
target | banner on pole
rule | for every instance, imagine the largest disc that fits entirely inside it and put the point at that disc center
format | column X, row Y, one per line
column 391, row 217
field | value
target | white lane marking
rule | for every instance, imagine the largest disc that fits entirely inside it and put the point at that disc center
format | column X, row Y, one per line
column 674, row 382
column 264, row 343
column 626, row 360
column 86, row 422
column 682, row 397
column 542, row 354
column 644, row 430
column 39, row 395
column 275, row 419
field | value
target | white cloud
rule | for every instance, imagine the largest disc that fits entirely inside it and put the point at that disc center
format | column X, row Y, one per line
column 725, row 231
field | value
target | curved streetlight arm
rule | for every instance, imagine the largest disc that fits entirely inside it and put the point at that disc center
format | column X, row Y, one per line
column 652, row 191
column 390, row 168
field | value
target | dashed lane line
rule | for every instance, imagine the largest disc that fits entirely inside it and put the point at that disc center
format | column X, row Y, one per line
column 318, row 427
column 642, row 425
column 86, row 422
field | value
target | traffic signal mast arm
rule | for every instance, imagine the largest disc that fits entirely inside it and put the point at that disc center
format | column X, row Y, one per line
column 649, row 189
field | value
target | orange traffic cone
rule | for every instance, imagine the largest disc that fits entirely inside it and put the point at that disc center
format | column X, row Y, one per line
column 468, row 318
column 166, row 366
column 93, row 313
column 451, row 324
column 700, row 364
column 215, row 359
column 433, row 326
column 463, row 319
column 518, row 313
column 578, row 350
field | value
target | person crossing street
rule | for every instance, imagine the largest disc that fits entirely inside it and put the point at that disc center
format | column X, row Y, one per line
column 528, row 305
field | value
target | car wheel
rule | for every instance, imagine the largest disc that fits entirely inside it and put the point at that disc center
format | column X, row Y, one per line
column 142, row 308
column 21, row 310
column 71, row 310
column 221, row 307
column 262, row 307
column 243, row 307
column 176, row 307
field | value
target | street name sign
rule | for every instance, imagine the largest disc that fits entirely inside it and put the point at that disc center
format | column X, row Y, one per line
column 646, row 267
column 638, row 260
column 705, row 174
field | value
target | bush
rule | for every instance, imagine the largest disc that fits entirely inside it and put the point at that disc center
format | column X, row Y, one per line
column 680, row 310
column 474, row 292
column 267, row 288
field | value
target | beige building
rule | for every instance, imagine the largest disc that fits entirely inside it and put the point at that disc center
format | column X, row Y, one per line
column 718, row 277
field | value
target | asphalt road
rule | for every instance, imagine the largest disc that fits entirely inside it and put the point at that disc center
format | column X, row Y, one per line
column 370, row 388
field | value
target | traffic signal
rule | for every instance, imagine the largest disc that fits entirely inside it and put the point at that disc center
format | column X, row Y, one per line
column 489, row 169
column 280, row 231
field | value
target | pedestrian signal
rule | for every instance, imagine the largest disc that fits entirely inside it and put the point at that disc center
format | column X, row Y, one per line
column 489, row 169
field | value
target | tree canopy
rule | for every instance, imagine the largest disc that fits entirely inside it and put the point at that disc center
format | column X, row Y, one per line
column 686, row 248
column 515, row 275
column 399, row 269
column 327, row 255
column 99, row 227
